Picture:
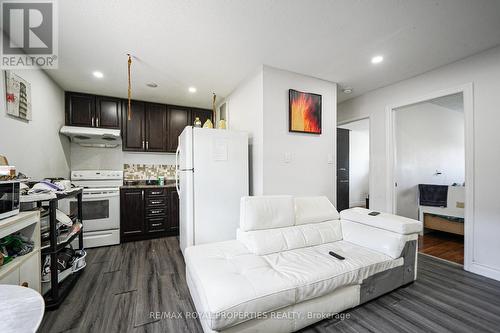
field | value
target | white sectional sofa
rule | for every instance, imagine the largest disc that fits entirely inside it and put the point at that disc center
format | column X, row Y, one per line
column 278, row 276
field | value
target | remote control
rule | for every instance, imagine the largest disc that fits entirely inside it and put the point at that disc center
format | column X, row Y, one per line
column 374, row 213
column 333, row 254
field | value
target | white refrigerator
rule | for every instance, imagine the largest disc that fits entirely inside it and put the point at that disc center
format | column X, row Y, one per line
column 211, row 177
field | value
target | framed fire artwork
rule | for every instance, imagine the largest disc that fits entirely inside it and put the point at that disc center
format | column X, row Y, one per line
column 304, row 112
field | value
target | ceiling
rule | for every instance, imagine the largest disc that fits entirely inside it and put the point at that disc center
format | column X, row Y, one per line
column 214, row 44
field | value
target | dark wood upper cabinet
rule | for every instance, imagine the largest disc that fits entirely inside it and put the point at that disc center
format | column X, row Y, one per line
column 178, row 119
column 153, row 127
column 203, row 114
column 80, row 109
column 108, row 111
column 132, row 212
column 134, row 130
column 156, row 127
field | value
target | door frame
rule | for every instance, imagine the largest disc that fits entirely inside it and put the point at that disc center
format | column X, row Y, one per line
column 468, row 103
column 370, row 163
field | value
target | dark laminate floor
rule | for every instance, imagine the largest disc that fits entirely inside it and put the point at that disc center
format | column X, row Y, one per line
column 122, row 284
column 443, row 245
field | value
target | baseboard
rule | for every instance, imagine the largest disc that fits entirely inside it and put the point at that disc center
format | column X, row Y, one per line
column 486, row 271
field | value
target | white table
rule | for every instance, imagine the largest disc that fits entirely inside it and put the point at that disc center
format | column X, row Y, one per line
column 21, row 309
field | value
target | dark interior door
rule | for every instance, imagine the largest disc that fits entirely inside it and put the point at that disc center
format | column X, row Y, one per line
column 342, row 169
column 108, row 112
column 178, row 118
column 80, row 109
column 156, row 127
column 134, row 129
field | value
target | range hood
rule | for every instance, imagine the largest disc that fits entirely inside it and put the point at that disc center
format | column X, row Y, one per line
column 93, row 137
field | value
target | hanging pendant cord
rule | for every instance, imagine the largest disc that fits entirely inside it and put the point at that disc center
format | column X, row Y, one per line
column 129, row 111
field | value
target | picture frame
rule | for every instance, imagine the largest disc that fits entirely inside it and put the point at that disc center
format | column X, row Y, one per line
column 17, row 96
column 304, row 112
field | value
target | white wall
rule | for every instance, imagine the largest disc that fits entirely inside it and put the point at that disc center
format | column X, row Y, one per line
column 35, row 147
column 245, row 112
column 483, row 70
column 429, row 138
column 260, row 106
column 87, row 158
column 359, row 161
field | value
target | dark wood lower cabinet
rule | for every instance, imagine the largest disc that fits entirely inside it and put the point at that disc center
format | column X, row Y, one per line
column 132, row 212
column 149, row 212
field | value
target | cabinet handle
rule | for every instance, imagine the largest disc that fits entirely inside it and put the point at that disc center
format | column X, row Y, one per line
column 156, row 224
column 92, row 121
column 156, row 193
column 142, row 144
column 155, row 202
column 142, row 194
column 147, row 145
column 156, row 211
column 97, row 122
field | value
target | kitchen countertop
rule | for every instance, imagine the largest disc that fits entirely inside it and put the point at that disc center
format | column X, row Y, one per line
column 167, row 185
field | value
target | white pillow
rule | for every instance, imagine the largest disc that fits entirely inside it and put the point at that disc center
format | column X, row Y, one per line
column 266, row 212
column 314, row 210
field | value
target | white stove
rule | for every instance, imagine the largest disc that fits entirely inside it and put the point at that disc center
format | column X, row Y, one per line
column 101, row 205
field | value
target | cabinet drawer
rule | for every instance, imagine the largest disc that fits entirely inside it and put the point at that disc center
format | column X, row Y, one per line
column 156, row 201
column 156, row 211
column 157, row 224
column 153, row 192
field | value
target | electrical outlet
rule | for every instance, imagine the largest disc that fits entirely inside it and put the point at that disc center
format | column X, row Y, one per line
column 460, row 204
column 287, row 158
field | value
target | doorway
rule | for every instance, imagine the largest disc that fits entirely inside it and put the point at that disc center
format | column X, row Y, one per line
column 429, row 172
column 353, row 164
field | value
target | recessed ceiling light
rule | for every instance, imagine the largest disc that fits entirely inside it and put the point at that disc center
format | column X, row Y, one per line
column 377, row 59
column 347, row 90
column 98, row 74
column 152, row 85
column 192, row 90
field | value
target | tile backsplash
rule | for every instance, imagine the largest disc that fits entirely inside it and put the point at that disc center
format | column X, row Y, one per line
column 148, row 171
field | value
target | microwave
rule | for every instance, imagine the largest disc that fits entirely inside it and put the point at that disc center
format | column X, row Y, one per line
column 9, row 198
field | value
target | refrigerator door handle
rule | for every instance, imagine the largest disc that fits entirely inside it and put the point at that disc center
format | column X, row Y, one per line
column 177, row 169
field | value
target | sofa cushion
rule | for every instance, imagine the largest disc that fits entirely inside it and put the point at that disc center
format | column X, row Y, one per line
column 265, row 212
column 384, row 241
column 233, row 285
column 263, row 242
column 395, row 223
column 314, row 210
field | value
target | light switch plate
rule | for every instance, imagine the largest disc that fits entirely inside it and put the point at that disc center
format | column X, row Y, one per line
column 287, row 158
column 460, row 204
column 330, row 158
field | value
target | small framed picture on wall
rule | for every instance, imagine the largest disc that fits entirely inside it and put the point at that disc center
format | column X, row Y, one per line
column 304, row 112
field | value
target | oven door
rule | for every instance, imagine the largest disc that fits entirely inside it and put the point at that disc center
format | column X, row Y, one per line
column 100, row 209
